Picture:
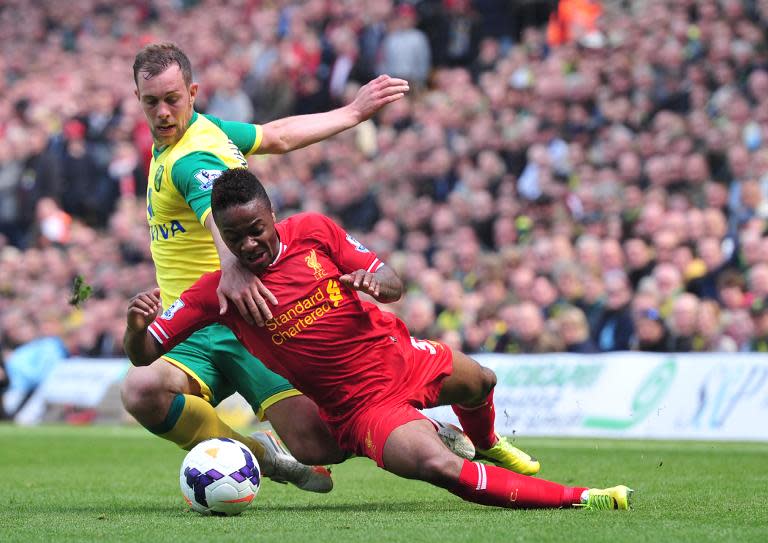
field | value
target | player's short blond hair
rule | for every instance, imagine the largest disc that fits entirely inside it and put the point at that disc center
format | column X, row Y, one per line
column 155, row 58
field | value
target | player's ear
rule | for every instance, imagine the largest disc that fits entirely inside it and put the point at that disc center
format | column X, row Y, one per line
column 193, row 92
column 274, row 217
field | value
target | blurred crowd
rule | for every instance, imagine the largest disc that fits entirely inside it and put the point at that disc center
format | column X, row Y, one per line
column 578, row 176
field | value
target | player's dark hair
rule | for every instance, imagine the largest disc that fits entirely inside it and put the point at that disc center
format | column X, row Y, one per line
column 236, row 187
column 155, row 58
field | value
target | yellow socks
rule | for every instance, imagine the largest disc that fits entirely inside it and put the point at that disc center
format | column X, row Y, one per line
column 191, row 420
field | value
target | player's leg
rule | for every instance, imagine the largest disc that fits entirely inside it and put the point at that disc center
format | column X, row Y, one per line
column 294, row 417
column 297, row 421
column 414, row 451
column 469, row 391
column 175, row 401
column 174, row 398
column 148, row 391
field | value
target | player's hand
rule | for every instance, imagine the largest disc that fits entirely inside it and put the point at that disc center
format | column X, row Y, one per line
column 143, row 309
column 376, row 94
column 363, row 281
column 246, row 291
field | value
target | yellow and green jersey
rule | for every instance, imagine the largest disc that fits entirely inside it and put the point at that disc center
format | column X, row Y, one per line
column 181, row 177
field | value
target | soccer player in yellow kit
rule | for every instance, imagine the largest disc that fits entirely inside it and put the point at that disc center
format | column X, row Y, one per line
column 174, row 397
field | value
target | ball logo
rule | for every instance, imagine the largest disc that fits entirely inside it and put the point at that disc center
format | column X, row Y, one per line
column 171, row 311
column 357, row 245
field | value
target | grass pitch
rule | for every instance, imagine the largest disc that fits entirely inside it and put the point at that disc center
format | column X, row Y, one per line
column 121, row 484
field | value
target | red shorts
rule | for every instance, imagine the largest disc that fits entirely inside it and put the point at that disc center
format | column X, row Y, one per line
column 426, row 365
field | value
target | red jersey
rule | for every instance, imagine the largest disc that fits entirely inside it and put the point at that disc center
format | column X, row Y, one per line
column 326, row 341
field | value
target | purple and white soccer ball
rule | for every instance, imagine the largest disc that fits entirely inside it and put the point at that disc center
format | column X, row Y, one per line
column 219, row 477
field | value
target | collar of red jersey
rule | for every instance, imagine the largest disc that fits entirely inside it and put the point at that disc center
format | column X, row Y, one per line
column 280, row 250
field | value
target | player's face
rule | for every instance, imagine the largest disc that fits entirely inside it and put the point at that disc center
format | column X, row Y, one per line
column 167, row 103
column 249, row 232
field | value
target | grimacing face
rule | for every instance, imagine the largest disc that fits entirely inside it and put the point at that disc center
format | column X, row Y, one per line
column 249, row 232
column 167, row 104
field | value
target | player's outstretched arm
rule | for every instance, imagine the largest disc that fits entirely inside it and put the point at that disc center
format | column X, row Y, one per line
column 295, row 132
column 138, row 343
column 384, row 285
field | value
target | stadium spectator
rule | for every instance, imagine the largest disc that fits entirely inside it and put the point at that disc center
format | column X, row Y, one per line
column 639, row 260
column 614, row 328
column 575, row 20
column 659, row 150
column 710, row 252
column 522, row 329
column 731, row 290
column 454, row 33
column 571, row 325
column 419, row 316
column 710, row 336
column 229, row 100
column 405, row 51
column 757, row 280
column 738, row 326
column 759, row 312
column 651, row 333
column 4, row 382
column 34, row 358
column 669, row 283
column 683, row 323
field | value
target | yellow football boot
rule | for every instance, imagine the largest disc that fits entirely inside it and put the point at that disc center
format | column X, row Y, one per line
column 505, row 455
column 616, row 497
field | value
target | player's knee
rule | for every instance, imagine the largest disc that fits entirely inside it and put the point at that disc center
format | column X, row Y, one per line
column 479, row 389
column 488, row 382
column 440, row 469
column 142, row 389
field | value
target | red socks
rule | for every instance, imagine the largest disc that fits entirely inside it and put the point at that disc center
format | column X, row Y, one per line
column 492, row 485
column 478, row 422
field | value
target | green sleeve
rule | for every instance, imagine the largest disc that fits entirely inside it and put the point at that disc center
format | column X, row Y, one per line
column 246, row 136
column 193, row 177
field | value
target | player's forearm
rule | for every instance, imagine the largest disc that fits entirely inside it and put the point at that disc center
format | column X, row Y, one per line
column 225, row 255
column 390, row 285
column 142, row 349
column 284, row 135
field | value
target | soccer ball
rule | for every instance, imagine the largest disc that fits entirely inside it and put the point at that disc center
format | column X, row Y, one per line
column 219, row 477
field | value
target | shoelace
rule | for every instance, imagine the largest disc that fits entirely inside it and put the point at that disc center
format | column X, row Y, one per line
column 600, row 501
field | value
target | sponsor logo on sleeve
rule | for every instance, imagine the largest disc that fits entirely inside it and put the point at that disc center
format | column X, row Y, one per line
column 171, row 311
column 357, row 245
column 206, row 178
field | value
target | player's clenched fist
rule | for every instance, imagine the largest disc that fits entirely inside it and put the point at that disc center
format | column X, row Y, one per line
column 142, row 309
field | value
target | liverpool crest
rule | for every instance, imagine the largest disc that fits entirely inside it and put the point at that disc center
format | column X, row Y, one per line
column 313, row 264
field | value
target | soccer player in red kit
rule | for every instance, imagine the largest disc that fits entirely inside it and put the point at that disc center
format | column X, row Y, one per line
column 360, row 365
